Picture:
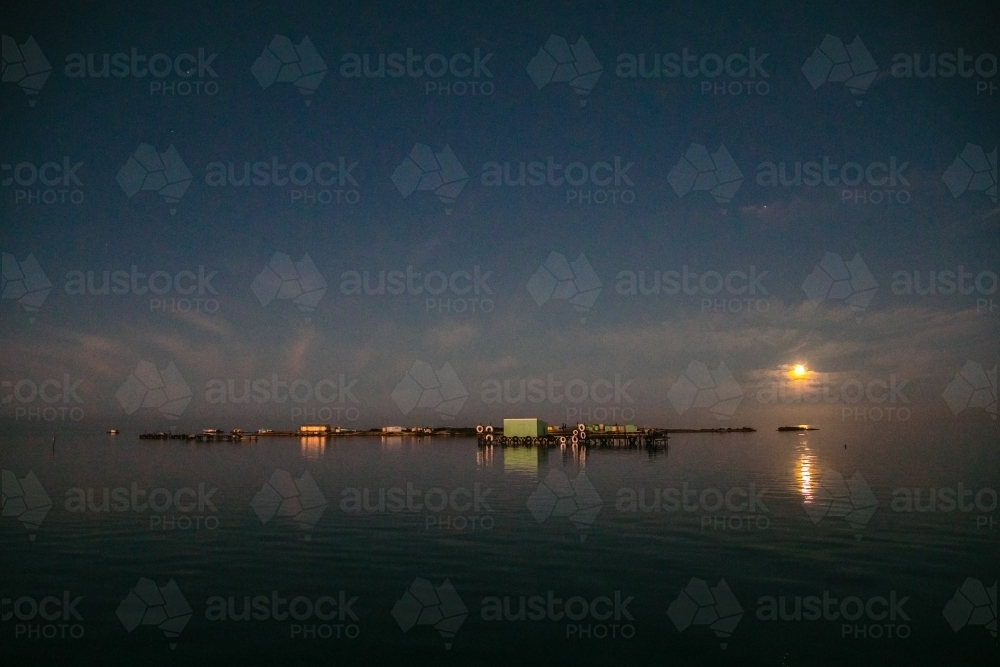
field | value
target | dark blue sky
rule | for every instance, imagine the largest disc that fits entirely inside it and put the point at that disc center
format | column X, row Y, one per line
column 647, row 125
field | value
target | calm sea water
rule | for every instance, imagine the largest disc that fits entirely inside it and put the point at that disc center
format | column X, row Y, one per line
column 617, row 581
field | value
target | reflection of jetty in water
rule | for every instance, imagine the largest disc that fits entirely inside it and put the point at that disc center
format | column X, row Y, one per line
column 520, row 460
column 582, row 435
column 525, row 454
column 528, row 459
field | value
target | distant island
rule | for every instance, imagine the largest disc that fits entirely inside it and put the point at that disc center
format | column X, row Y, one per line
column 797, row 428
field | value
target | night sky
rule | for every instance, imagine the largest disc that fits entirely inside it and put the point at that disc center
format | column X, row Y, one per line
column 635, row 144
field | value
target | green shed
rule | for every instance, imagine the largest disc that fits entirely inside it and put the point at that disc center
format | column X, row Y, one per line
column 524, row 428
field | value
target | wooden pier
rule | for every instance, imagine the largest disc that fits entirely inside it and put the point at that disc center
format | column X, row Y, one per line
column 645, row 438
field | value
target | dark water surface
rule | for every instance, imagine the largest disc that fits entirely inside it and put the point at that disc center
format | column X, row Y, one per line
column 618, row 582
